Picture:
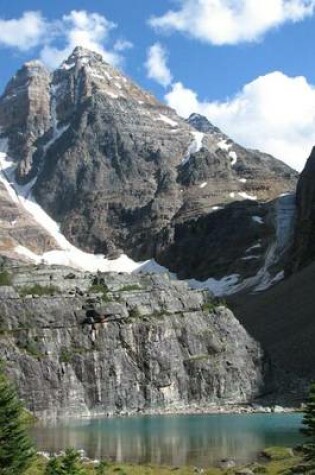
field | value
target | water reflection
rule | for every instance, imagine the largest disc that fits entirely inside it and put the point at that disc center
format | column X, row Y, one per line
column 173, row 440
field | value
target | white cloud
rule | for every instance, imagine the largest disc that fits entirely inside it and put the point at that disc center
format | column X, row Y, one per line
column 274, row 113
column 80, row 28
column 23, row 33
column 122, row 45
column 232, row 21
column 156, row 65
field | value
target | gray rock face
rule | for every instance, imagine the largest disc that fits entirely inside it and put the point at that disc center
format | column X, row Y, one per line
column 121, row 171
column 25, row 115
column 202, row 124
column 142, row 343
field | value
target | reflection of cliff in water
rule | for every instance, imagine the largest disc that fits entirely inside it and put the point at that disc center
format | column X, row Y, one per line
column 173, row 440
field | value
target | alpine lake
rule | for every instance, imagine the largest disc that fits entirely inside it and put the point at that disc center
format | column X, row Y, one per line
column 173, row 440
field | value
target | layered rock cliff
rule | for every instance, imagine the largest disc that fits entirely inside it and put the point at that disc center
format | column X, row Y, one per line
column 82, row 344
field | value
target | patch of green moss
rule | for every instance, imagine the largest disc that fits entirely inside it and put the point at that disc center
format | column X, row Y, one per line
column 5, row 278
column 31, row 348
column 278, row 453
column 101, row 289
column 211, row 304
column 130, row 288
column 39, row 290
column 134, row 313
column 65, row 355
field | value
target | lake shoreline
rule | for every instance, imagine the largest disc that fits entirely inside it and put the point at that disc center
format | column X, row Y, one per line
column 174, row 411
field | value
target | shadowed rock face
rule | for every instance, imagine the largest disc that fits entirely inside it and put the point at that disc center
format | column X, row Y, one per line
column 119, row 170
column 143, row 343
column 303, row 251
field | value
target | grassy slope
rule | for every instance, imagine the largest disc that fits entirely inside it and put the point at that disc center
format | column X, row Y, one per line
column 279, row 461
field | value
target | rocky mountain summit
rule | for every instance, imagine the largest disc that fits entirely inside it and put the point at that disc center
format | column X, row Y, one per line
column 83, row 344
column 122, row 173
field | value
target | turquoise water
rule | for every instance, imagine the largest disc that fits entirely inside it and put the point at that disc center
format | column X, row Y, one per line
column 173, row 440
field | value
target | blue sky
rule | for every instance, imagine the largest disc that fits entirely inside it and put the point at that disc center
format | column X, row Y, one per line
column 246, row 64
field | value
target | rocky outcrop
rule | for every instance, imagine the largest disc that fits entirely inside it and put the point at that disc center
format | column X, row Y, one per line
column 122, row 172
column 25, row 115
column 303, row 250
column 113, row 343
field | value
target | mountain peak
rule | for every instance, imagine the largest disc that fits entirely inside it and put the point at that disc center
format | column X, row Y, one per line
column 83, row 56
column 202, row 124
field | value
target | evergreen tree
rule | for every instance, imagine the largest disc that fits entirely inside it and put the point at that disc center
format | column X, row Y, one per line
column 68, row 464
column 309, row 431
column 101, row 469
column 16, row 451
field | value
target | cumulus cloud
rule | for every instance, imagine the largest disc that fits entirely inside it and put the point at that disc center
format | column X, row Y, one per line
column 25, row 32
column 274, row 113
column 156, row 65
column 78, row 28
column 231, row 21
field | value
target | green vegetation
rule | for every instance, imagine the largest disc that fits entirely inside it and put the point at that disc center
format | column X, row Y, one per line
column 273, row 467
column 32, row 349
column 134, row 313
column 278, row 453
column 68, row 464
column 65, row 355
column 5, row 278
column 309, row 431
column 212, row 303
column 130, row 288
column 16, row 451
column 101, row 289
column 39, row 290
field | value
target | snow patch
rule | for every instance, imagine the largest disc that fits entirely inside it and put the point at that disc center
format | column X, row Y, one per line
column 233, row 156
column 85, row 59
column 243, row 180
column 258, row 219
column 232, row 195
column 223, row 145
column 95, row 75
column 58, row 133
column 203, row 184
column 255, row 246
column 194, row 147
column 247, row 197
column 268, row 282
column 167, row 120
column 68, row 255
column 111, row 94
column 67, row 66
column 224, row 286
